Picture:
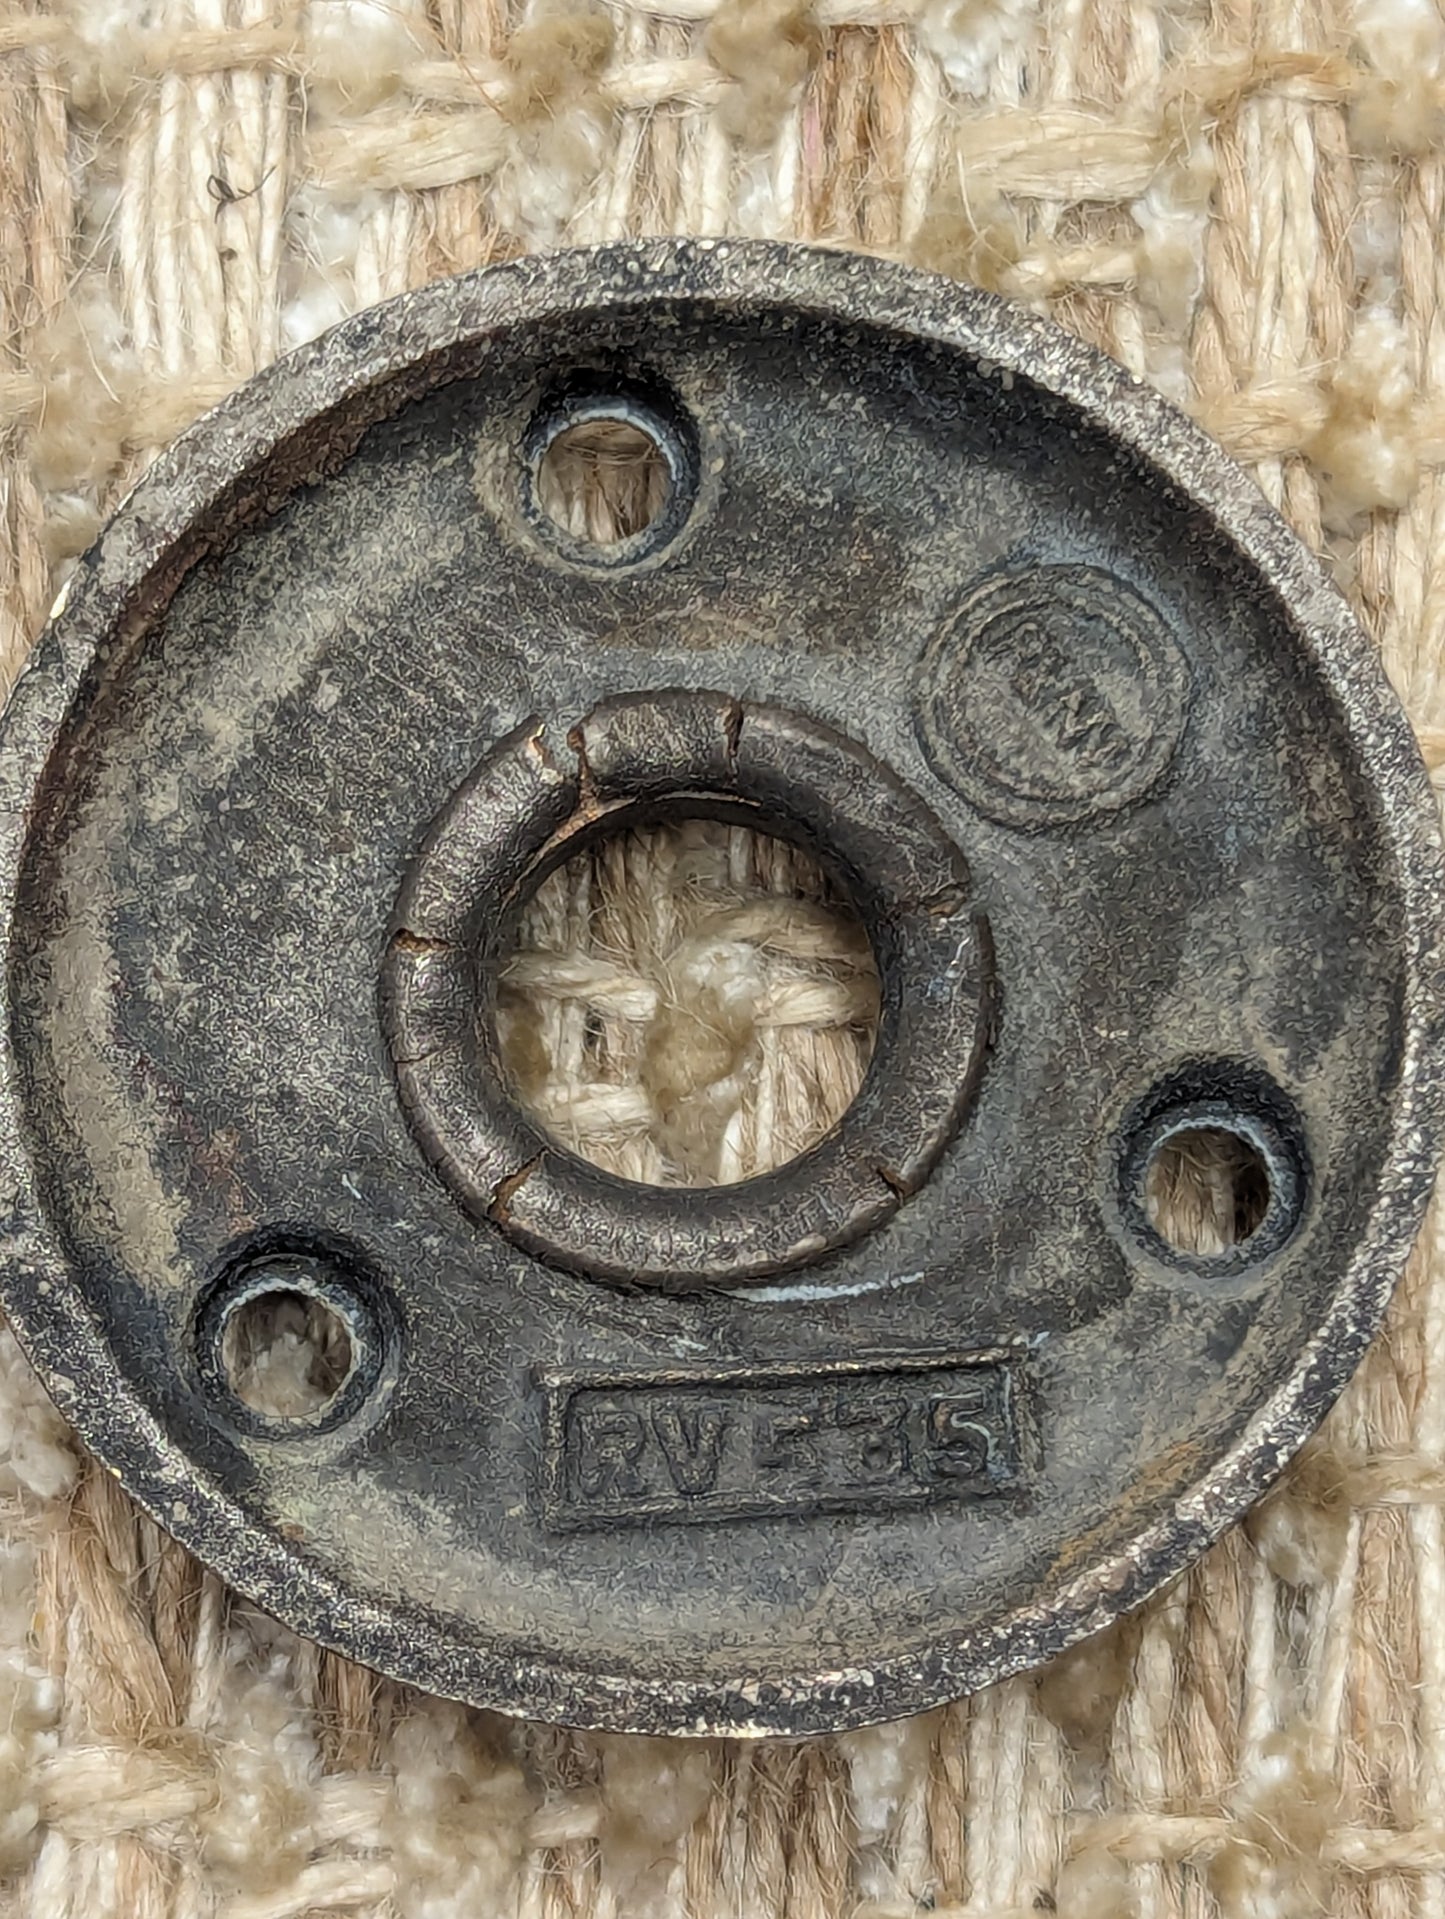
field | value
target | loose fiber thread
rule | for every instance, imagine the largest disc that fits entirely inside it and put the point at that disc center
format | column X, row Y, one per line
column 1245, row 206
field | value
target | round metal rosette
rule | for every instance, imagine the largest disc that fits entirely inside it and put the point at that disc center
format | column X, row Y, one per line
column 1136, row 829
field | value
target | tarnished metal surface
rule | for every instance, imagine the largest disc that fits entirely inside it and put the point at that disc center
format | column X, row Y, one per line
column 1138, row 833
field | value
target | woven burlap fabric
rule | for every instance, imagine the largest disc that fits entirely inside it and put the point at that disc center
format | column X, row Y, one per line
column 1244, row 204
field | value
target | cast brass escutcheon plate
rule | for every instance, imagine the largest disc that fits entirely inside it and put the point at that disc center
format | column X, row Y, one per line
column 1139, row 834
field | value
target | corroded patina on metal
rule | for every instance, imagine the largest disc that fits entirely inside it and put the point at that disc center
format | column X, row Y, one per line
column 1137, row 830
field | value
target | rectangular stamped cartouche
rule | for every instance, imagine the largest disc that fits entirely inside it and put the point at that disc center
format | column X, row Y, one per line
column 716, row 1443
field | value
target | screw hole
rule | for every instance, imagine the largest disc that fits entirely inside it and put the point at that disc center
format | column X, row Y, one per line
column 1206, row 1190
column 296, row 1341
column 1213, row 1169
column 285, row 1353
column 604, row 479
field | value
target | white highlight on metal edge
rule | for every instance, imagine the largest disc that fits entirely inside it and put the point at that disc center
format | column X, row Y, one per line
column 890, row 1283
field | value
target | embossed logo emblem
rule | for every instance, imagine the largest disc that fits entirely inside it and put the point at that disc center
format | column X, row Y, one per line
column 1051, row 695
column 735, row 1443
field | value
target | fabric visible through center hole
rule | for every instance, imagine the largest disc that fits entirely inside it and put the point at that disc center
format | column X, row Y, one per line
column 689, row 1004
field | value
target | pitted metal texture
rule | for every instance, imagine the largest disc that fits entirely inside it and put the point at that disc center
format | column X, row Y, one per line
column 1138, row 834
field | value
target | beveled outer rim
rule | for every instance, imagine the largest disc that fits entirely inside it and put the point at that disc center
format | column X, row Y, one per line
column 128, row 576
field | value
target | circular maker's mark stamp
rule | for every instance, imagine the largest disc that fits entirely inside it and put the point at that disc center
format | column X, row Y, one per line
column 1051, row 695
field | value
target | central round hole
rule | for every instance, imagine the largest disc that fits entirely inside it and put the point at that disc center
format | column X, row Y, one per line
column 1206, row 1189
column 688, row 1005
column 603, row 480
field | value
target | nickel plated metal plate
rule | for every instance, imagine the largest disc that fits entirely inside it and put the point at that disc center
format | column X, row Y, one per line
column 1139, row 834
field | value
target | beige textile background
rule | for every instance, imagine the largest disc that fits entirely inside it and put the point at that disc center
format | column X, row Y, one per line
column 1241, row 200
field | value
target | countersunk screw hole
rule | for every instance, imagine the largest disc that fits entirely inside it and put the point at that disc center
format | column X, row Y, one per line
column 295, row 1338
column 286, row 1353
column 1206, row 1190
column 1213, row 1170
column 603, row 479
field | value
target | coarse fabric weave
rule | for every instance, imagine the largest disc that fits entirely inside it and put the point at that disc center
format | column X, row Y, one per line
column 1242, row 201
